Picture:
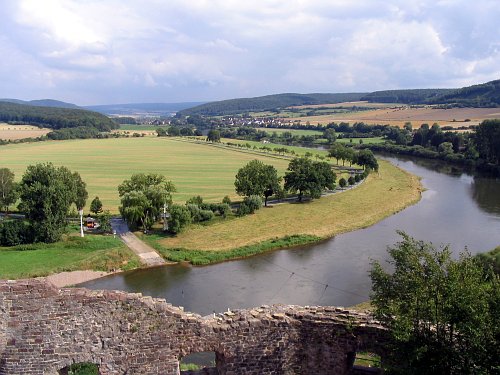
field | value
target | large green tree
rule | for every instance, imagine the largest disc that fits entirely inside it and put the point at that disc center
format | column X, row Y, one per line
column 257, row 178
column 143, row 198
column 366, row 159
column 47, row 193
column 443, row 315
column 8, row 189
column 488, row 141
column 307, row 176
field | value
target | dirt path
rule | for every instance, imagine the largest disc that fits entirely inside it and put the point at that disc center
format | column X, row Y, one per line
column 146, row 253
column 64, row 279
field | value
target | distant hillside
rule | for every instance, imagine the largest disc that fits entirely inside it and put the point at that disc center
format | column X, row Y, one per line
column 156, row 109
column 413, row 96
column 54, row 118
column 483, row 95
column 42, row 103
column 266, row 103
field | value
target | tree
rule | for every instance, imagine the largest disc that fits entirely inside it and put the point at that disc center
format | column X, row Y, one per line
column 143, row 198
column 338, row 151
column 367, row 159
column 47, row 193
column 257, row 178
column 96, row 206
column 213, row 136
column 487, row 140
column 8, row 189
column 306, row 176
column 443, row 315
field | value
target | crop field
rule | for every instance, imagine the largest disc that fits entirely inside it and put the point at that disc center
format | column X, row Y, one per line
column 398, row 116
column 13, row 132
column 140, row 127
column 103, row 164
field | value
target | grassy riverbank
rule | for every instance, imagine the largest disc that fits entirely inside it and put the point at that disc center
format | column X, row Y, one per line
column 382, row 195
column 99, row 253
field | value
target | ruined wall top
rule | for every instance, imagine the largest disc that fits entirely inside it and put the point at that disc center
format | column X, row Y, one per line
column 50, row 328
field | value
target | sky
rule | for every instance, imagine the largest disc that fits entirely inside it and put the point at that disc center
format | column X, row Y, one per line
column 91, row 52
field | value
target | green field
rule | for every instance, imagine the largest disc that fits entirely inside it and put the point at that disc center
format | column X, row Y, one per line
column 195, row 169
column 355, row 141
column 98, row 253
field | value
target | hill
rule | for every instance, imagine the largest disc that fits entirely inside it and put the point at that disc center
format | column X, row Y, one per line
column 412, row 96
column 479, row 96
column 152, row 109
column 42, row 103
column 54, row 117
column 266, row 103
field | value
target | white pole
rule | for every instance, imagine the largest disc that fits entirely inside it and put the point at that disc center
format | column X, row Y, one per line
column 81, row 222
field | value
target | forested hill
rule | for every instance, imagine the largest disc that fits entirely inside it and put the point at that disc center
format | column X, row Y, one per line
column 412, row 96
column 54, row 118
column 483, row 95
column 268, row 102
column 42, row 103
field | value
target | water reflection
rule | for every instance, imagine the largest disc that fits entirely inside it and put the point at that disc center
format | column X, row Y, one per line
column 456, row 209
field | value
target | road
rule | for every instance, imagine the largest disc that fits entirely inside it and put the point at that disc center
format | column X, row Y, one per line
column 146, row 253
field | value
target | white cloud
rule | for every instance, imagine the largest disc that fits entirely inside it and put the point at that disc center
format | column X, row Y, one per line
column 116, row 50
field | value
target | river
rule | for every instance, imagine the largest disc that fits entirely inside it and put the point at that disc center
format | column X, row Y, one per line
column 456, row 208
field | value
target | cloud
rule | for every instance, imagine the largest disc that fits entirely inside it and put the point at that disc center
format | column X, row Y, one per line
column 129, row 50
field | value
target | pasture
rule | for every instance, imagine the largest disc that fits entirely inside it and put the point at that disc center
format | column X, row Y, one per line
column 195, row 169
column 293, row 131
column 14, row 132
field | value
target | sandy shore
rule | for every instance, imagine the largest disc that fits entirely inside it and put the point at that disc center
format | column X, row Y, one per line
column 63, row 279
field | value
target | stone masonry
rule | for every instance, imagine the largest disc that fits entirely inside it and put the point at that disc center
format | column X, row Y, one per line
column 44, row 329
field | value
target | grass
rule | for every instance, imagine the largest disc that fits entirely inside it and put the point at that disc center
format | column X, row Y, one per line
column 100, row 253
column 355, row 141
column 382, row 195
column 104, row 163
column 204, row 257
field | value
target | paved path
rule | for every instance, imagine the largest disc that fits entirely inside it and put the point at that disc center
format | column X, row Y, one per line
column 146, row 253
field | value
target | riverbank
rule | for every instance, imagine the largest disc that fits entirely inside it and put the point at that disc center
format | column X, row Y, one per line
column 383, row 194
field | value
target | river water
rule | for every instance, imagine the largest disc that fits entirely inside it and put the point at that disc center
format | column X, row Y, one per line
column 457, row 208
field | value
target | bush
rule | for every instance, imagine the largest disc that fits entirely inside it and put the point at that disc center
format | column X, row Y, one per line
column 243, row 210
column 194, row 210
column 195, row 200
column 206, row 215
column 226, row 200
column 224, row 209
column 254, row 202
column 15, row 232
column 105, row 222
column 342, row 183
column 180, row 217
column 84, row 368
column 351, row 180
column 357, row 178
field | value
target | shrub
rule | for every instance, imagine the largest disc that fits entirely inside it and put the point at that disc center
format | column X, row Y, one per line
column 243, row 210
column 357, row 178
column 254, row 202
column 206, row 215
column 342, row 183
column 15, row 232
column 224, row 209
column 194, row 210
column 105, row 222
column 351, row 180
column 180, row 217
column 226, row 200
column 195, row 200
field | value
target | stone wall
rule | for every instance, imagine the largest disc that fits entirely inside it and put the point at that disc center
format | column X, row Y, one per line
column 45, row 329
